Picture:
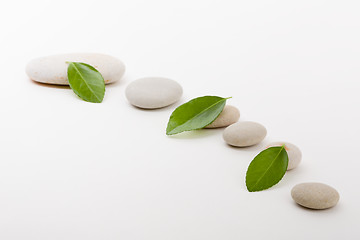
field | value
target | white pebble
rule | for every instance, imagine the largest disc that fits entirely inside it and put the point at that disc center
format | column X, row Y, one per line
column 293, row 152
column 315, row 195
column 153, row 92
column 228, row 116
column 244, row 134
column 53, row 69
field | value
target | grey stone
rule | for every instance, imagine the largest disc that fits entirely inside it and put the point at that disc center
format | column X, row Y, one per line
column 315, row 195
column 244, row 134
column 153, row 92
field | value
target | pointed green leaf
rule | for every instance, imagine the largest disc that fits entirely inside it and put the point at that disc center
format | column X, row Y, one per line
column 195, row 114
column 267, row 169
column 86, row 82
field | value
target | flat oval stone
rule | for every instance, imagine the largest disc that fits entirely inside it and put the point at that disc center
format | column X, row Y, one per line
column 153, row 92
column 244, row 134
column 53, row 69
column 228, row 116
column 315, row 195
column 293, row 152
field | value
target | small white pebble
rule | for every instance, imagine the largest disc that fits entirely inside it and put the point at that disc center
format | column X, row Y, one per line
column 315, row 195
column 244, row 134
column 153, row 92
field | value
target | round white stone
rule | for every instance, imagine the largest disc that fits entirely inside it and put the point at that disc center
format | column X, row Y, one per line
column 153, row 92
column 228, row 116
column 315, row 195
column 244, row 134
column 53, row 69
column 293, row 152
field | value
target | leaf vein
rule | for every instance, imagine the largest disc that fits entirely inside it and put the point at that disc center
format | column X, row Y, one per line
column 82, row 77
column 204, row 110
column 272, row 163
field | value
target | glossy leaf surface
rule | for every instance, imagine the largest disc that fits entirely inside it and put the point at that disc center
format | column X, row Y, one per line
column 195, row 114
column 86, row 82
column 267, row 169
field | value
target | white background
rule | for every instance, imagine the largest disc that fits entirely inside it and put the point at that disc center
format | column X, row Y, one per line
column 75, row 170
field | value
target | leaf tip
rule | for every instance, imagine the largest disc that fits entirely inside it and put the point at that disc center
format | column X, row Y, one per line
column 250, row 189
column 170, row 132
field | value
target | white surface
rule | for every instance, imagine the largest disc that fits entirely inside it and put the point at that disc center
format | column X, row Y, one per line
column 74, row 170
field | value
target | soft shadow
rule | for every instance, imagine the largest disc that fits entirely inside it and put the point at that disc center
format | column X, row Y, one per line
column 50, row 85
column 201, row 133
column 108, row 85
column 255, row 148
column 171, row 107
column 327, row 210
column 113, row 84
column 163, row 109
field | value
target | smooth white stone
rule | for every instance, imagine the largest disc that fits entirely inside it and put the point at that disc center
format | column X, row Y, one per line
column 53, row 69
column 293, row 152
column 153, row 92
column 244, row 134
column 228, row 116
column 315, row 195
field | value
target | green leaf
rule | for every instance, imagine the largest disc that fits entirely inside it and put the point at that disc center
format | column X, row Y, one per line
column 195, row 114
column 267, row 169
column 86, row 82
